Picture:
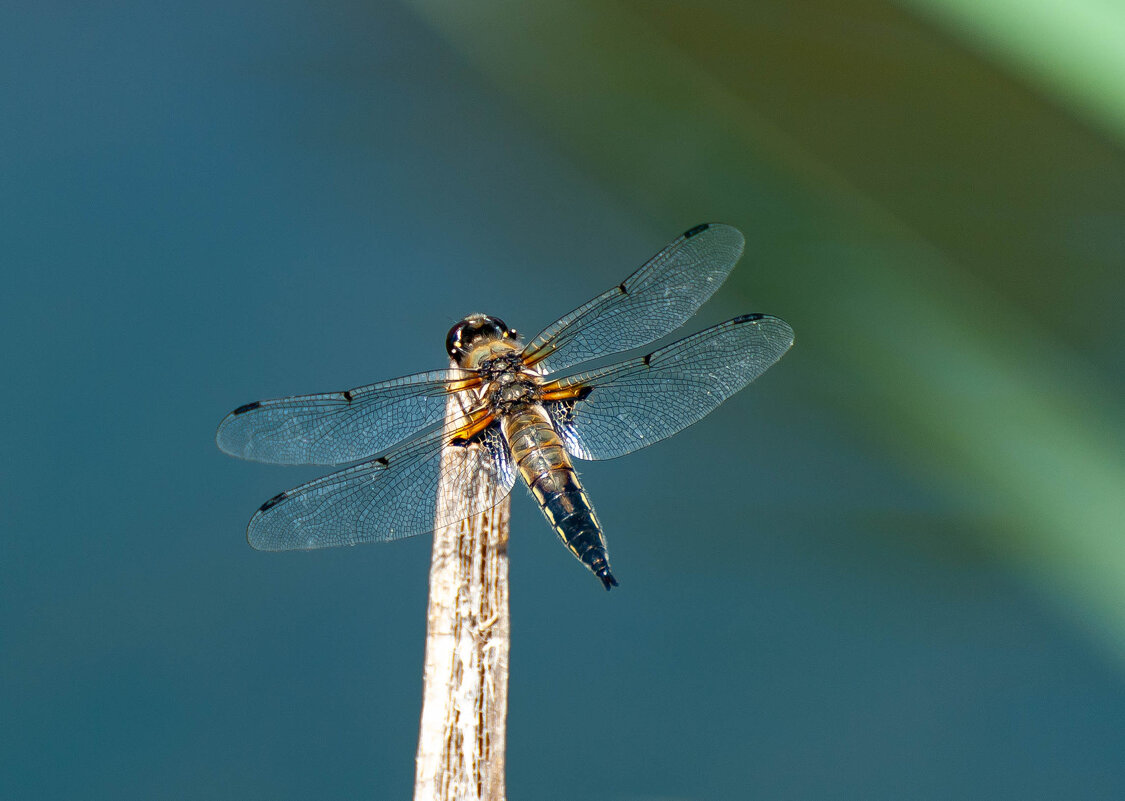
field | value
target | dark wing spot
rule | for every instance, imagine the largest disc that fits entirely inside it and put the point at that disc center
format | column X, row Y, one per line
column 696, row 230
column 348, row 395
column 272, row 502
column 247, row 408
column 622, row 289
column 464, row 442
column 747, row 318
column 647, row 359
column 382, row 460
column 583, row 393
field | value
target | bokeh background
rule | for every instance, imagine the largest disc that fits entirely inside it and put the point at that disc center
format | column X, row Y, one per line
column 892, row 568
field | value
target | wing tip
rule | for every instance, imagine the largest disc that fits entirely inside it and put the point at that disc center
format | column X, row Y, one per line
column 254, row 535
column 223, row 444
column 737, row 244
column 777, row 321
column 226, row 440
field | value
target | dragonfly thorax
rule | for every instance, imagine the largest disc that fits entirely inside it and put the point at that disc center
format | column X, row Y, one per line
column 508, row 384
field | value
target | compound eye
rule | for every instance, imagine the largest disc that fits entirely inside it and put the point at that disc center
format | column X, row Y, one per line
column 453, row 339
column 498, row 326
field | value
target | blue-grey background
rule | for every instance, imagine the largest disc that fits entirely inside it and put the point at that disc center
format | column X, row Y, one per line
column 890, row 569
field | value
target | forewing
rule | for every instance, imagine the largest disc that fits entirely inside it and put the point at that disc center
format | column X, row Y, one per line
column 388, row 498
column 627, row 406
column 337, row 427
column 655, row 300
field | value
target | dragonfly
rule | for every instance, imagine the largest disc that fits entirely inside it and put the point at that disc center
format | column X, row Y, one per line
column 521, row 410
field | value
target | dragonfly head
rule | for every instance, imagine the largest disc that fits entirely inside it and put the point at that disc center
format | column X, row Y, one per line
column 472, row 333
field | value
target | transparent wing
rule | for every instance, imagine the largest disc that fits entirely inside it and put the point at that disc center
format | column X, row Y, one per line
column 624, row 407
column 337, row 427
column 388, row 498
column 655, row 300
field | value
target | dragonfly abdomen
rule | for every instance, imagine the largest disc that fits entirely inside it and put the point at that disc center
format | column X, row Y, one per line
column 544, row 464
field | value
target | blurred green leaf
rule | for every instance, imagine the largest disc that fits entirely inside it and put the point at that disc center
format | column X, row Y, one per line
column 1073, row 49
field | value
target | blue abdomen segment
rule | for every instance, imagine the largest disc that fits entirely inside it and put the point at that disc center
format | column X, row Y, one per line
column 543, row 462
column 570, row 513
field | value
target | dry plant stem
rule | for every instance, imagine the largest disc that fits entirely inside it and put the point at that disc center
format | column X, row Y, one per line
column 465, row 685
